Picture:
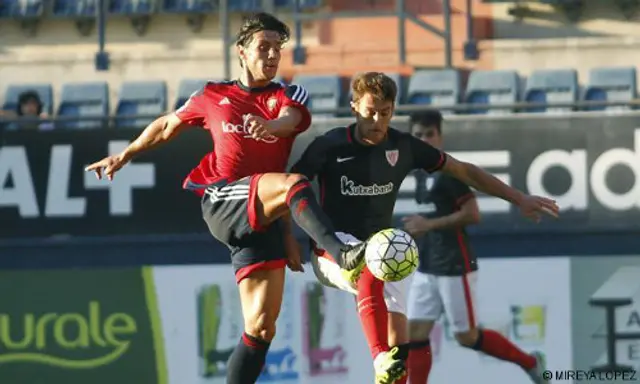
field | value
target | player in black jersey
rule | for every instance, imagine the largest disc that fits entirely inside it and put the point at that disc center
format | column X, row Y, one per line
column 446, row 278
column 360, row 169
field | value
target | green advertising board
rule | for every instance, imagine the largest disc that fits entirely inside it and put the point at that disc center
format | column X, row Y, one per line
column 80, row 326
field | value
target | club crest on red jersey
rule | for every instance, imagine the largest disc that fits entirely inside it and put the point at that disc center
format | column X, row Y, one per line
column 272, row 103
column 392, row 156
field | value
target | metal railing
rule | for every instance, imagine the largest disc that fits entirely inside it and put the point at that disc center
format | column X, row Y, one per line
column 102, row 61
column 299, row 52
column 525, row 109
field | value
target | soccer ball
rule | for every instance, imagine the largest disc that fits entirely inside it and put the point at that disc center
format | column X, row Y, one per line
column 391, row 255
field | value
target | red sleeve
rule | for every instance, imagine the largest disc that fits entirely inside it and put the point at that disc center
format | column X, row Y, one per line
column 297, row 97
column 193, row 111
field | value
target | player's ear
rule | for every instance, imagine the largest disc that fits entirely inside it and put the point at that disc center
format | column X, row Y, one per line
column 241, row 53
column 354, row 106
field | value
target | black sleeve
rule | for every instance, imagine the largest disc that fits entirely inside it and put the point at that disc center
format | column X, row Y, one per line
column 313, row 159
column 425, row 156
column 460, row 191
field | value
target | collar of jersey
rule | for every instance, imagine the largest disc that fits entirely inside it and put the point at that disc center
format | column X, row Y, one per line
column 351, row 137
column 267, row 87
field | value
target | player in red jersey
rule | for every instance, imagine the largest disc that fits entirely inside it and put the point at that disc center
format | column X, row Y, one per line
column 247, row 199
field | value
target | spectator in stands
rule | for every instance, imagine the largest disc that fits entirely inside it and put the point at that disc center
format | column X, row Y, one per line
column 30, row 112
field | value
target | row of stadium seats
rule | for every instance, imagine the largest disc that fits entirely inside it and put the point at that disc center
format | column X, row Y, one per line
column 445, row 88
column 439, row 88
column 75, row 8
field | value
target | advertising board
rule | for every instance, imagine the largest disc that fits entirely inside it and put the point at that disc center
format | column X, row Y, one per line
column 528, row 302
column 589, row 163
column 606, row 314
column 179, row 324
column 319, row 339
column 79, row 326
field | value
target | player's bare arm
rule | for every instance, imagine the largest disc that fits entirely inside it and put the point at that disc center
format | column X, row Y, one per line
column 287, row 122
column 468, row 214
column 530, row 206
column 284, row 126
column 160, row 131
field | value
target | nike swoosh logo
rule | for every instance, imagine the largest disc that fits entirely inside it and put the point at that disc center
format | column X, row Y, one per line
column 343, row 159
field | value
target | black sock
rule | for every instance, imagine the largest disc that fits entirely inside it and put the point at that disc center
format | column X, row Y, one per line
column 419, row 344
column 403, row 351
column 478, row 344
column 307, row 213
column 247, row 360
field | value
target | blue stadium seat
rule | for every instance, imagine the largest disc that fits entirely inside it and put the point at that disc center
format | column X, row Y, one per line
column 186, row 88
column 611, row 84
column 148, row 98
column 245, row 5
column 21, row 8
column 45, row 92
column 303, row 3
column 435, row 87
column 549, row 86
column 75, row 8
column 325, row 92
column 188, row 6
column 492, row 87
column 128, row 7
column 84, row 100
column 399, row 82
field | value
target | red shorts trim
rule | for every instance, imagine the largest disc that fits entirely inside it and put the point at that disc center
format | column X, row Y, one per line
column 254, row 220
column 245, row 272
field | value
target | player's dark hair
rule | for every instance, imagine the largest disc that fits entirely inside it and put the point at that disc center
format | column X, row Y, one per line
column 427, row 118
column 259, row 22
column 28, row 97
column 381, row 86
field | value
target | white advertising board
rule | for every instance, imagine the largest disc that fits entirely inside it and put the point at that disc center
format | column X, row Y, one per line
column 319, row 339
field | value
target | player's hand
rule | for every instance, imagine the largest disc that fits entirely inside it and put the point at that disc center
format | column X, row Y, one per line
column 416, row 225
column 258, row 127
column 107, row 166
column 533, row 207
column 294, row 253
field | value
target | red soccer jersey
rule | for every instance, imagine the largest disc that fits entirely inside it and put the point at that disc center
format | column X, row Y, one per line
column 221, row 109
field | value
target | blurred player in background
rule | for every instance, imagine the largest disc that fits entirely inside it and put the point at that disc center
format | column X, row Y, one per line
column 445, row 282
column 360, row 169
column 247, row 199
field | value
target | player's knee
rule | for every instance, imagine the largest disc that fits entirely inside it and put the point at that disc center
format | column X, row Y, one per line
column 419, row 330
column 467, row 338
column 262, row 326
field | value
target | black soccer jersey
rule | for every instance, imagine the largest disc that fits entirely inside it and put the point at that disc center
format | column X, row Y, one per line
column 359, row 183
column 444, row 252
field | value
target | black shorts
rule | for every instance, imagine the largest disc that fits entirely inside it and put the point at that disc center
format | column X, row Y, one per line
column 229, row 211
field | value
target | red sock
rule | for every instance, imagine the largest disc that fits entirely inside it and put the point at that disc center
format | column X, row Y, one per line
column 419, row 362
column 494, row 344
column 373, row 312
column 403, row 380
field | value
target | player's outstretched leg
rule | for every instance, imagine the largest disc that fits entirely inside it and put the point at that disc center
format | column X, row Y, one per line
column 494, row 344
column 279, row 193
column 261, row 298
column 374, row 317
